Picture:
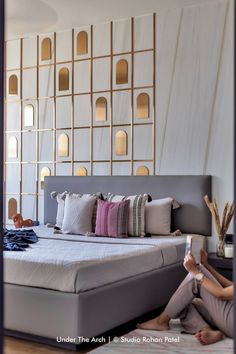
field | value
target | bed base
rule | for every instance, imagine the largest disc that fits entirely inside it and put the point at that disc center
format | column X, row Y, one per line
column 44, row 315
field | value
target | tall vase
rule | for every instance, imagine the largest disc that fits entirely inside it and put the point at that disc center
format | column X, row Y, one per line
column 220, row 248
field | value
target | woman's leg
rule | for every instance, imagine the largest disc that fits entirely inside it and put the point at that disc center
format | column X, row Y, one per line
column 178, row 302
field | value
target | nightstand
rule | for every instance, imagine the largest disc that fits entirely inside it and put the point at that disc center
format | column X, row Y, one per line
column 223, row 266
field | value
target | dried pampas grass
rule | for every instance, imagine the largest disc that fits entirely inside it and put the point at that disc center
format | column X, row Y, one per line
column 228, row 211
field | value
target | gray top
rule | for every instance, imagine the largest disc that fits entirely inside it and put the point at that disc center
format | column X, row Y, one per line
column 192, row 217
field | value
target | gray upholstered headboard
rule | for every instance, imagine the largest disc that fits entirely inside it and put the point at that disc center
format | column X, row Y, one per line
column 192, row 217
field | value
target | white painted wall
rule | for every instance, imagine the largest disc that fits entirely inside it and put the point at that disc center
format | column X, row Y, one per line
column 194, row 95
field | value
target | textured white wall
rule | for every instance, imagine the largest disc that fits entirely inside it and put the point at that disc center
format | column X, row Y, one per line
column 194, row 95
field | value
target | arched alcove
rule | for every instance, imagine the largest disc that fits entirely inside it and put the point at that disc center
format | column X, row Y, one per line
column 81, row 171
column 44, row 172
column 101, row 109
column 29, row 115
column 82, row 43
column 64, row 81
column 12, row 207
column 142, row 106
column 121, row 143
column 122, row 72
column 142, row 171
column 13, row 85
column 63, row 145
column 46, row 49
column 12, row 147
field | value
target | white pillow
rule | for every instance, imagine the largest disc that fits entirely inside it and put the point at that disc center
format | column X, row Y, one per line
column 158, row 216
column 60, row 197
column 78, row 214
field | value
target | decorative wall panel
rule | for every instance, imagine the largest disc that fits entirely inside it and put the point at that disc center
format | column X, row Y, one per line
column 101, row 74
column 82, row 110
column 13, row 116
column 76, row 114
column 82, row 79
column 143, row 77
column 64, row 46
column 101, row 108
column 64, row 112
column 29, row 147
column 122, row 143
column 46, row 151
column 46, row 113
column 122, row 69
column 46, row 81
column 46, row 49
column 63, row 79
column 122, row 36
column 101, row 39
column 29, row 115
column 29, row 178
column 80, row 168
column 80, row 44
column 143, row 32
column 82, row 145
column 13, row 54
column 29, row 83
column 29, row 55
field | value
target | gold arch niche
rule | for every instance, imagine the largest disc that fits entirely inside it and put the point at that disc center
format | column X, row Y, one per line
column 29, row 115
column 64, row 81
column 142, row 106
column 12, row 147
column 122, row 72
column 13, row 85
column 142, row 171
column 44, row 172
column 121, row 143
column 81, row 171
column 63, row 145
column 82, row 43
column 101, row 109
column 12, row 207
column 46, row 49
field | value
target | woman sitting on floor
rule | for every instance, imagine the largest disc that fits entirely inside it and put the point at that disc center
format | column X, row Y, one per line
column 203, row 303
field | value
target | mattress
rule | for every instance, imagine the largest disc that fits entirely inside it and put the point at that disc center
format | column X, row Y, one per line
column 72, row 263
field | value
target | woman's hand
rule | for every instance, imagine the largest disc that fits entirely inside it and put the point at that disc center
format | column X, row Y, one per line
column 204, row 261
column 190, row 263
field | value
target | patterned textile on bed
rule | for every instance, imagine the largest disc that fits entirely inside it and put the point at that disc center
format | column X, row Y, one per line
column 18, row 240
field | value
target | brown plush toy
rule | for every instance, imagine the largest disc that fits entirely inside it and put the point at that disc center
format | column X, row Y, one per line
column 19, row 222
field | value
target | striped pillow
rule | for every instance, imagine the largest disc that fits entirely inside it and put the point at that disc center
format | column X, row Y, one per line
column 112, row 218
column 136, row 211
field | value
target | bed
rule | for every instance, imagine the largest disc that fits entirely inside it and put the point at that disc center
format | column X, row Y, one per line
column 55, row 296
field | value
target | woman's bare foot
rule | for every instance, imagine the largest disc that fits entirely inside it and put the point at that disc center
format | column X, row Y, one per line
column 208, row 336
column 160, row 323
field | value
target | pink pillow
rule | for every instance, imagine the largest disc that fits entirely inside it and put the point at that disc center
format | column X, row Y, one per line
column 112, row 218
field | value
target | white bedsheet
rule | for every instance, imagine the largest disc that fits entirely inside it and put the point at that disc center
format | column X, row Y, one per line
column 72, row 263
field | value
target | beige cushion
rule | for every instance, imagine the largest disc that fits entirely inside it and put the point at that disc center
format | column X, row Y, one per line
column 158, row 216
column 78, row 214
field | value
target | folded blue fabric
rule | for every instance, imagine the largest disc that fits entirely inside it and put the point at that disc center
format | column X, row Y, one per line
column 18, row 240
